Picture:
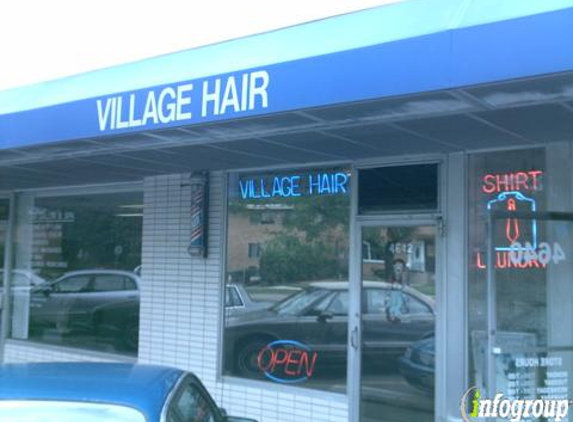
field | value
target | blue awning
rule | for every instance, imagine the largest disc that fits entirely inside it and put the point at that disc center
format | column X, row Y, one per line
column 406, row 48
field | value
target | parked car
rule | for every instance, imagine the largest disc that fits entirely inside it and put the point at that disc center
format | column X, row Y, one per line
column 106, row 392
column 238, row 300
column 22, row 281
column 83, row 300
column 317, row 317
column 417, row 365
column 120, row 322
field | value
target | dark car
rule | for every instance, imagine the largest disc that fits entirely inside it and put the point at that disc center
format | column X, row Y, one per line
column 106, row 392
column 417, row 365
column 317, row 317
column 119, row 321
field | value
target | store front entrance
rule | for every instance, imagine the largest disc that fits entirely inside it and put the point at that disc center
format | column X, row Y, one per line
column 528, row 343
column 397, row 309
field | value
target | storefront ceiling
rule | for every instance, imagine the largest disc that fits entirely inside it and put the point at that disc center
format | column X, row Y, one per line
column 519, row 113
column 452, row 76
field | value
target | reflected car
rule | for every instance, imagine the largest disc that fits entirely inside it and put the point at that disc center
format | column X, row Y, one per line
column 417, row 365
column 83, row 300
column 238, row 300
column 317, row 317
column 22, row 281
column 118, row 392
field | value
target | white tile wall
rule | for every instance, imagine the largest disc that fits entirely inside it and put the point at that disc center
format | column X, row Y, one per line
column 180, row 307
column 180, row 300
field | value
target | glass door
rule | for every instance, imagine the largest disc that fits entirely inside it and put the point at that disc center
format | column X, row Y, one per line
column 527, row 350
column 397, row 325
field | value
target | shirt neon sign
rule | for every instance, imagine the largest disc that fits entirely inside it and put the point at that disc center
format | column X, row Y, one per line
column 291, row 186
column 512, row 192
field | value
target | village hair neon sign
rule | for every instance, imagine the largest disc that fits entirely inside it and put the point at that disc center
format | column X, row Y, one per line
column 294, row 185
column 287, row 361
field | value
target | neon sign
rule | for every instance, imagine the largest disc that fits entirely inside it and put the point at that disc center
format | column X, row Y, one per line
column 518, row 181
column 297, row 185
column 520, row 236
column 512, row 225
column 287, row 361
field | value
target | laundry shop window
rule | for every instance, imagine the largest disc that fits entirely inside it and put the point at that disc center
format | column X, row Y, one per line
column 521, row 269
column 73, row 282
column 287, row 256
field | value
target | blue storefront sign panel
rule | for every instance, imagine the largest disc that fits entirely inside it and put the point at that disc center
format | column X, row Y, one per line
column 533, row 45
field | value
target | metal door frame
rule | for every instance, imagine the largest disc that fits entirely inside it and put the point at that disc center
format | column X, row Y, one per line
column 354, row 369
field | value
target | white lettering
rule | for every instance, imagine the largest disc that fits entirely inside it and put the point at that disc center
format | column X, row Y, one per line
column 258, row 87
column 132, row 121
column 169, row 106
column 230, row 97
column 183, row 101
column 150, row 109
column 113, row 107
column 120, row 124
column 103, row 114
column 211, row 97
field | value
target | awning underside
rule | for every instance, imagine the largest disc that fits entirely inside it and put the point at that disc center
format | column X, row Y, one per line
column 520, row 113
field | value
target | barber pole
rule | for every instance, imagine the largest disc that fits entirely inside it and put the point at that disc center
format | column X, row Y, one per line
column 199, row 202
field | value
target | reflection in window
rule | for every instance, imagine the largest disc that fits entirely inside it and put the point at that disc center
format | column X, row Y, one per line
column 78, row 255
column 287, row 248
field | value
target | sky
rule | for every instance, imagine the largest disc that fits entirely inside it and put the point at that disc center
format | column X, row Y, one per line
column 44, row 40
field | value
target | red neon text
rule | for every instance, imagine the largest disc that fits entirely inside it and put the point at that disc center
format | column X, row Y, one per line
column 518, row 181
column 503, row 260
column 290, row 362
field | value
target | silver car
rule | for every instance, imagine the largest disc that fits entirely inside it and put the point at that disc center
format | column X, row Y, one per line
column 78, row 300
column 238, row 301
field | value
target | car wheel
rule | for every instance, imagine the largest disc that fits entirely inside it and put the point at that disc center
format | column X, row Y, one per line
column 131, row 334
column 246, row 363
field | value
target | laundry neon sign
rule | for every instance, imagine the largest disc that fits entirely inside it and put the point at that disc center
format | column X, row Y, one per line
column 513, row 191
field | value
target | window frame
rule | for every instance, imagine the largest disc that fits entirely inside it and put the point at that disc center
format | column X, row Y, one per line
column 55, row 192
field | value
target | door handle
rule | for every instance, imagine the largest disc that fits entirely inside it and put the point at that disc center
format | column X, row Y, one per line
column 354, row 338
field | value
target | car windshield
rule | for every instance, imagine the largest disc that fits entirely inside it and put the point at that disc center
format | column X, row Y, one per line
column 55, row 411
column 297, row 303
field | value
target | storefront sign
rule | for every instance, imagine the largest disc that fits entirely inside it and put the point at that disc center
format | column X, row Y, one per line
column 294, row 185
column 182, row 103
column 517, row 246
column 287, row 361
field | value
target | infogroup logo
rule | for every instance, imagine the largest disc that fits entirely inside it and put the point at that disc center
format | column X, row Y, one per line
column 514, row 410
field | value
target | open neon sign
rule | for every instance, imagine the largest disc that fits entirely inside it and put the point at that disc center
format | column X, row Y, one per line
column 287, row 361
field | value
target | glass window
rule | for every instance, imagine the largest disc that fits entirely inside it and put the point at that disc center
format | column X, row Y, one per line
column 377, row 301
column 112, row 282
column 88, row 244
column 398, row 188
column 339, row 305
column 72, row 284
column 232, row 297
column 530, row 250
column 64, row 411
column 190, row 405
column 287, row 247
column 4, row 210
